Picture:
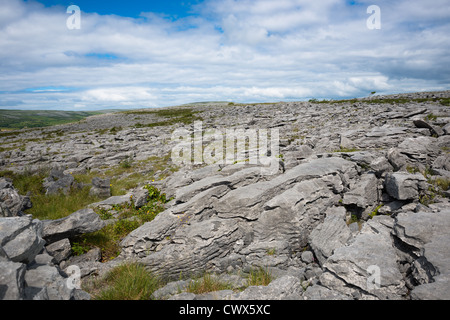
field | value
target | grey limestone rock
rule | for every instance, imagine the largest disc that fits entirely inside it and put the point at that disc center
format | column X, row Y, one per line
column 80, row 222
column 12, row 204
column 405, row 186
column 100, row 187
column 283, row 288
column 11, row 279
column 21, row 238
column 57, row 182
column 350, row 266
column 426, row 233
column 329, row 235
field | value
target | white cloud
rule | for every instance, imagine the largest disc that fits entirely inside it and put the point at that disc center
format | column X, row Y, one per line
column 238, row 50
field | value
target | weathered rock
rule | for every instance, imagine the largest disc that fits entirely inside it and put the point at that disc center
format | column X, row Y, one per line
column 446, row 129
column 20, row 238
column 12, row 204
column 349, row 269
column 284, row 288
column 363, row 194
column 419, row 123
column 44, row 276
column 426, row 234
column 381, row 166
column 80, row 222
column 318, row 292
column 57, row 182
column 419, row 152
column 307, row 257
column 140, row 197
column 11, row 279
column 233, row 217
column 4, row 211
column 231, row 205
column 60, row 250
column 333, row 233
column 405, row 186
column 114, row 200
column 217, row 222
column 100, row 188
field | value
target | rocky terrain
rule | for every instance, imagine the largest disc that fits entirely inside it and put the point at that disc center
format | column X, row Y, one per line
column 356, row 208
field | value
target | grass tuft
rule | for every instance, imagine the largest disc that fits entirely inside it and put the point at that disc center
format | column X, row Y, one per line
column 127, row 282
column 259, row 277
column 207, row 283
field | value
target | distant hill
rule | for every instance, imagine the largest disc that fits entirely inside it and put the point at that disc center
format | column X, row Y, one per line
column 18, row 119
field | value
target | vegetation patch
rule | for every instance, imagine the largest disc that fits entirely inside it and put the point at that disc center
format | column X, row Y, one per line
column 207, row 283
column 125, row 282
column 49, row 207
column 128, row 218
column 18, row 119
column 259, row 277
column 170, row 116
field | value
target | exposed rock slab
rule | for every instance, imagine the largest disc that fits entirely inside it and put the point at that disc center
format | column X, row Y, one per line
column 80, row 222
column 427, row 233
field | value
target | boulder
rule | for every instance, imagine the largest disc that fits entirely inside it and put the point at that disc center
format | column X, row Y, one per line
column 45, row 282
column 140, row 197
column 112, row 201
column 349, row 269
column 21, row 238
column 60, row 250
column 333, row 233
column 11, row 279
column 363, row 194
column 419, row 151
column 381, row 166
column 426, row 235
column 57, row 182
column 434, row 130
column 12, row 204
column 78, row 223
column 100, row 188
column 405, row 186
column 27, row 270
column 446, row 129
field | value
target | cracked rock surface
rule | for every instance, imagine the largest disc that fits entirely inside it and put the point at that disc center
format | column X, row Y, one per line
column 357, row 207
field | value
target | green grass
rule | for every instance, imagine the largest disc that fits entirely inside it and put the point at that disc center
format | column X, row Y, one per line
column 18, row 119
column 126, row 282
column 341, row 149
column 207, row 283
column 130, row 218
column 49, row 207
column 259, row 277
column 170, row 116
column 60, row 205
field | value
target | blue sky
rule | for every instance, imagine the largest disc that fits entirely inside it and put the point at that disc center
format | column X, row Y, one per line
column 131, row 8
column 142, row 54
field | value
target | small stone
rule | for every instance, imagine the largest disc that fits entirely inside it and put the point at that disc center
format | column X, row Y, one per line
column 307, row 257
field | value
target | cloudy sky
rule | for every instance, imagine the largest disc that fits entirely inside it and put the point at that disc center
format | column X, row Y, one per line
column 135, row 54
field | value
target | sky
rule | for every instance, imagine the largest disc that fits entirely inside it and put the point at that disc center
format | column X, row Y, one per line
column 144, row 54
